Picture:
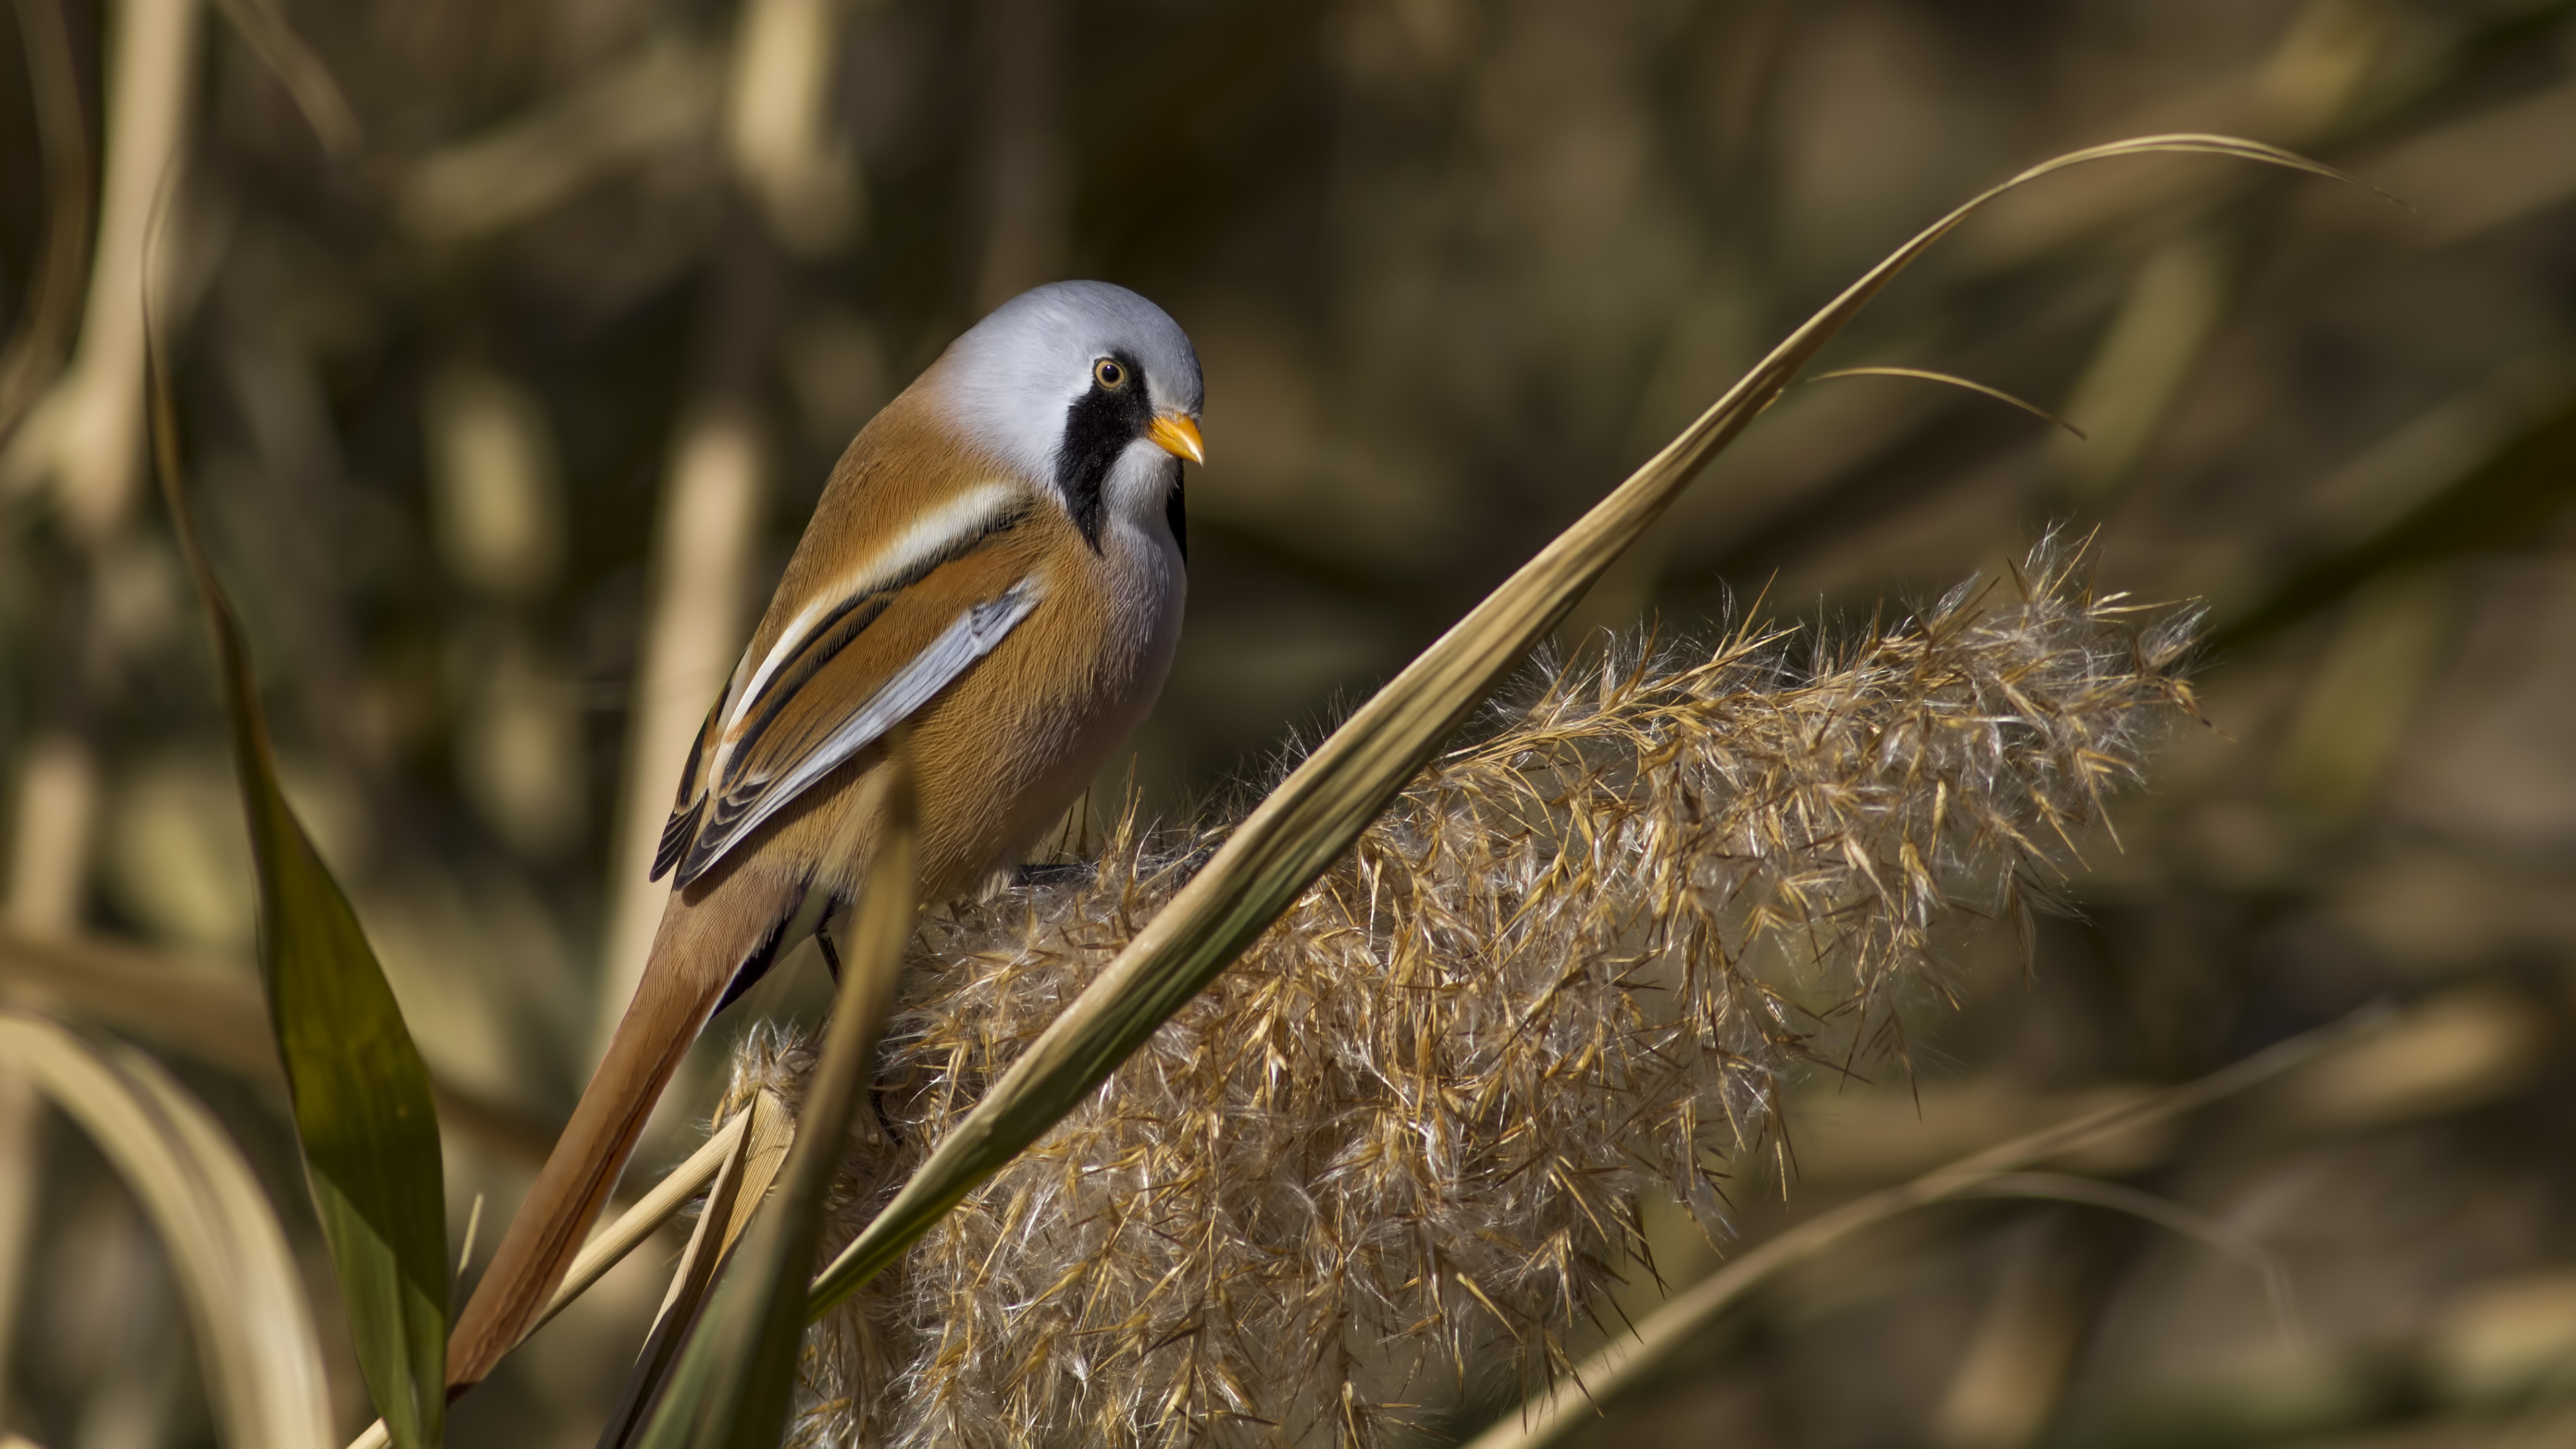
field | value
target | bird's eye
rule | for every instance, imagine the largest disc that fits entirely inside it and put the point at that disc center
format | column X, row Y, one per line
column 1109, row 374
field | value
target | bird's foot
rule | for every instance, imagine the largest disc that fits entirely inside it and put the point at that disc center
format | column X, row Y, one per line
column 1053, row 873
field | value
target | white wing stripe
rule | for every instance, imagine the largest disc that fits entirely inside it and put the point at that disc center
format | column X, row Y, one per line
column 942, row 528
column 970, row 638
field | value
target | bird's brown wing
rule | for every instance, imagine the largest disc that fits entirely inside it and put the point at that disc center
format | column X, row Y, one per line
column 835, row 687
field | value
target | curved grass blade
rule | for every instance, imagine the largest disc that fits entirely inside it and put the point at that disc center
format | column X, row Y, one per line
column 737, row 1370
column 360, row 1091
column 307, row 81
column 254, row 1333
column 41, row 334
column 1920, row 374
column 2169, row 1215
column 1305, row 824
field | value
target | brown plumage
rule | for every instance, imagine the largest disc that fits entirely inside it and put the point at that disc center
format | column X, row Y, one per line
column 996, row 563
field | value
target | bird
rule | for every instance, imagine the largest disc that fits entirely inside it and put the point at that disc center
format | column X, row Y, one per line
column 997, row 566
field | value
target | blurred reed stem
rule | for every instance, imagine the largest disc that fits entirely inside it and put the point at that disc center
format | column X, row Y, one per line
column 44, row 326
column 82, row 441
column 1629, row 1361
column 694, row 626
column 57, row 801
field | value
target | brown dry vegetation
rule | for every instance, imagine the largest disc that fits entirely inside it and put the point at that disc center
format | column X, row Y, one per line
column 1394, row 1155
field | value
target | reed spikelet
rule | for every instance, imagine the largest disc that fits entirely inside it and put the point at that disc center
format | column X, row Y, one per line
column 1401, row 1141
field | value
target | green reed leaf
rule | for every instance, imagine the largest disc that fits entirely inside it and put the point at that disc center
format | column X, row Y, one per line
column 360, row 1090
column 1305, row 824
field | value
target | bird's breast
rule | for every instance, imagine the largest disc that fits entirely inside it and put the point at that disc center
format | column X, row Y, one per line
column 1115, row 630
column 1022, row 734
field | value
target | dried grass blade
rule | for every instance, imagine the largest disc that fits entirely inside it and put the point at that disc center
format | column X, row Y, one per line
column 263, row 1362
column 1923, row 374
column 210, row 1012
column 361, row 1094
column 1304, row 825
column 639, row 1222
column 764, row 1134
column 2165, row 1213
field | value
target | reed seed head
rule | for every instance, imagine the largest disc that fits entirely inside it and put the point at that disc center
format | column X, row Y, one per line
column 1400, row 1143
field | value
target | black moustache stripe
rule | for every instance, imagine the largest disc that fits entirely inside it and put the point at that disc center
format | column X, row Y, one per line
column 1097, row 429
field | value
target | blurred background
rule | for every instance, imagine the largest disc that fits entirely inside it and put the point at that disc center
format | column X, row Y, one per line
column 513, row 342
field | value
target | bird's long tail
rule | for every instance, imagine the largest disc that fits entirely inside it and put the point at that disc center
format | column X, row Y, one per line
column 708, row 935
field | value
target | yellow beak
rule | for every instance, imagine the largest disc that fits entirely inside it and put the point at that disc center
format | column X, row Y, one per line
column 1179, row 437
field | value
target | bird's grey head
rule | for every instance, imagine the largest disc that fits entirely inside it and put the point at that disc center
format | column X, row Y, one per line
column 1087, row 386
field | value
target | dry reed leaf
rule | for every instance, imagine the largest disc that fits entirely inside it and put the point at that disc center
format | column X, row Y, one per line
column 740, row 1189
column 1926, row 375
column 767, row 1133
column 208, row 1011
column 211, row 1011
column 263, row 1362
column 610, row 1245
column 1304, row 825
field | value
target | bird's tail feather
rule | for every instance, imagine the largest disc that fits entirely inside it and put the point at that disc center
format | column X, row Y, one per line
column 707, row 939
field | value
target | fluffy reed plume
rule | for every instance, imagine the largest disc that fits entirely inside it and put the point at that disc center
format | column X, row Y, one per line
column 1402, row 1139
